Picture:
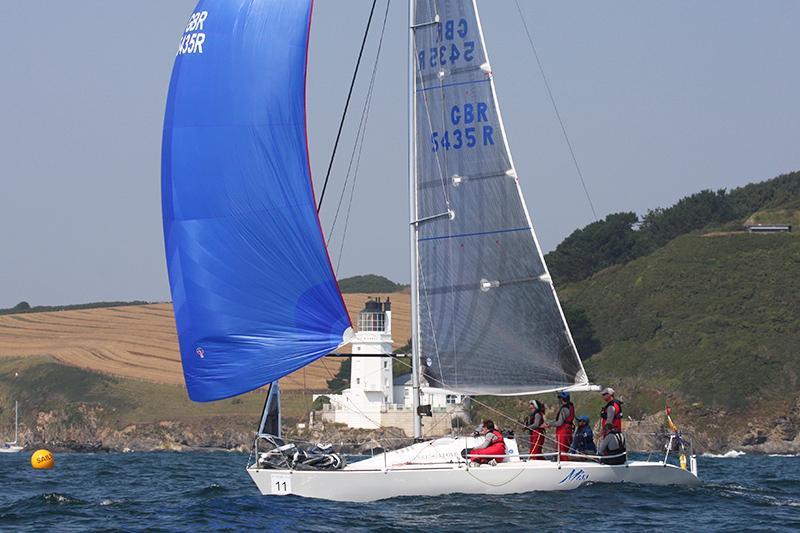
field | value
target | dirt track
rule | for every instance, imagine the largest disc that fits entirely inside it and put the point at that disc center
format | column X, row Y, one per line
column 140, row 342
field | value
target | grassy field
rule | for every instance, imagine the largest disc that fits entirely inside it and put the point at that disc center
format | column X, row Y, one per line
column 139, row 342
column 42, row 384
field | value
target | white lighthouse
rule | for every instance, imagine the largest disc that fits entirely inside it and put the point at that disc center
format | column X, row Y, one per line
column 372, row 376
column 371, row 385
column 376, row 398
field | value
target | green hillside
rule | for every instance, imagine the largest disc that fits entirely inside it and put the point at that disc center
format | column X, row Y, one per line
column 25, row 307
column 622, row 237
column 369, row 283
column 716, row 319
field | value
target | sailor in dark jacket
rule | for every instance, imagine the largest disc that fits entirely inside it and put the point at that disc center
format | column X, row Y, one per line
column 612, row 448
column 583, row 439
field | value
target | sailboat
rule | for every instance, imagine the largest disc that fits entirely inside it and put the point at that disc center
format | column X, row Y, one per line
column 13, row 447
column 254, row 292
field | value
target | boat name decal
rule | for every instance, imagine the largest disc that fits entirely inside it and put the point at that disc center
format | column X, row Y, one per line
column 575, row 475
column 194, row 35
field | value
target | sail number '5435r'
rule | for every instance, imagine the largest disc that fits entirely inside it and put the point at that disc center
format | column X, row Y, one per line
column 469, row 135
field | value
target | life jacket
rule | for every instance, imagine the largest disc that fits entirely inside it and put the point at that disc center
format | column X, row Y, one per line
column 620, row 443
column 621, row 451
column 531, row 419
column 500, row 442
column 569, row 421
column 584, row 441
column 498, row 447
column 617, row 415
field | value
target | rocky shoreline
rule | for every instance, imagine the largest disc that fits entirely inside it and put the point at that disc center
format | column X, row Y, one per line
column 84, row 430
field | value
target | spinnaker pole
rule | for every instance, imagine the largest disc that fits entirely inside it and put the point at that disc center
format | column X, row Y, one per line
column 412, row 195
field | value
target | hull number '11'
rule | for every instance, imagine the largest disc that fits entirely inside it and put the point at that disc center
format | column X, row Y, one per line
column 281, row 484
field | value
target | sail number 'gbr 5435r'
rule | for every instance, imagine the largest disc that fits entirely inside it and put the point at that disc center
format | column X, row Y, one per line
column 448, row 51
column 471, row 128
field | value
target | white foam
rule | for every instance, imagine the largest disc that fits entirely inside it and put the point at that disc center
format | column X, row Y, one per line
column 727, row 455
column 784, row 455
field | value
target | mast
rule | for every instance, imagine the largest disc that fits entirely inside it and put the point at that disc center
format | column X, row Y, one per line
column 412, row 196
column 16, row 421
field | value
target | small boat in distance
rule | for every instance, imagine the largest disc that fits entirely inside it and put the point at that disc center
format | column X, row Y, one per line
column 13, row 447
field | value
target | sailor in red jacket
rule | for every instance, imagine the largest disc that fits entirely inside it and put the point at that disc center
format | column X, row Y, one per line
column 564, row 425
column 493, row 444
column 535, row 423
column 611, row 413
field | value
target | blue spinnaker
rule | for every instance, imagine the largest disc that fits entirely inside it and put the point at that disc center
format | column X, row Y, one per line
column 254, row 293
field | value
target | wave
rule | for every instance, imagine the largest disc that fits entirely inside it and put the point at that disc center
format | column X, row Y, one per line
column 727, row 455
column 210, row 490
column 784, row 455
column 55, row 498
column 110, row 501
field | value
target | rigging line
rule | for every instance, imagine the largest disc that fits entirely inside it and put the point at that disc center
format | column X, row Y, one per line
column 358, row 140
column 441, row 171
column 362, row 131
column 555, row 108
column 474, row 399
column 355, row 407
column 482, row 404
column 346, row 105
column 428, row 115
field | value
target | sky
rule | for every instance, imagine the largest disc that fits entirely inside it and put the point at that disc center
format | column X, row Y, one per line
column 660, row 100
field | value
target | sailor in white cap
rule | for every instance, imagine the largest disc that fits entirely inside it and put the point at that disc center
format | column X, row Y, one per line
column 611, row 413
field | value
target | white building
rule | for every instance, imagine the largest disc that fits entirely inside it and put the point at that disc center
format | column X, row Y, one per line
column 375, row 398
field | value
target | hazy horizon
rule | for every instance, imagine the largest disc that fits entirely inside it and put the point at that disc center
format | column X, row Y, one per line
column 661, row 100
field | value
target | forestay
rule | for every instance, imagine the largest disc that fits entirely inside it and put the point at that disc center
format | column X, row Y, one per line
column 489, row 319
column 252, row 286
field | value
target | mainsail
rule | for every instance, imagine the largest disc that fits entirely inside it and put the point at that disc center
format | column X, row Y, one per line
column 254, row 293
column 489, row 321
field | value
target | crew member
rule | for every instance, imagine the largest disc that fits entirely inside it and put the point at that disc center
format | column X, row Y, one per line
column 611, row 413
column 534, row 422
column 493, row 444
column 583, row 441
column 612, row 447
column 564, row 424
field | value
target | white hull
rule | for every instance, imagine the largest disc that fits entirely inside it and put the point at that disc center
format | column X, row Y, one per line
column 435, row 467
column 10, row 449
column 432, row 480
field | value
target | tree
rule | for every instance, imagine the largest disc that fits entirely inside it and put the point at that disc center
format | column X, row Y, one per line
column 341, row 380
column 582, row 331
column 595, row 247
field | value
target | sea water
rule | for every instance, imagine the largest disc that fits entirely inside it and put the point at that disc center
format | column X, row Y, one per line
column 205, row 491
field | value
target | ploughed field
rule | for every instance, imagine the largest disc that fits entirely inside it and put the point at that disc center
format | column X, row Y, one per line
column 140, row 342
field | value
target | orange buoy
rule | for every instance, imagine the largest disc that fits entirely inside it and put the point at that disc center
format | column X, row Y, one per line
column 42, row 459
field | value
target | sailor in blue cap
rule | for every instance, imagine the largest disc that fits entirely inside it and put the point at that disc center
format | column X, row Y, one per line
column 583, row 439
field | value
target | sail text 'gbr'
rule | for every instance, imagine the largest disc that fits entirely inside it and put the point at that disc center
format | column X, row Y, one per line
column 194, row 36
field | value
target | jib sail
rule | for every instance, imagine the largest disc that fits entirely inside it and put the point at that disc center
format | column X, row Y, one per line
column 489, row 320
